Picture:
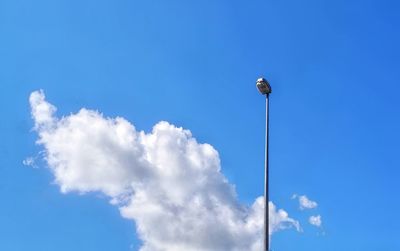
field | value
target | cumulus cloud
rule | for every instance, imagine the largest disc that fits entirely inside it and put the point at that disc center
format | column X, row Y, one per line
column 315, row 220
column 167, row 182
column 305, row 202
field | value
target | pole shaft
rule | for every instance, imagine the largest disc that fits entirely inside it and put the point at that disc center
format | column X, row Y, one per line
column 266, row 188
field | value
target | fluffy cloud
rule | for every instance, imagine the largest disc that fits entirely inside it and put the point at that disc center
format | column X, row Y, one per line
column 167, row 182
column 279, row 219
column 315, row 220
column 305, row 202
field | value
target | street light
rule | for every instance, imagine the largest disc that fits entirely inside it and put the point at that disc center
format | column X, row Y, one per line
column 263, row 86
column 265, row 89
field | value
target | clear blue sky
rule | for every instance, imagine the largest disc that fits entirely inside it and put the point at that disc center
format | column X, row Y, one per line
column 333, row 66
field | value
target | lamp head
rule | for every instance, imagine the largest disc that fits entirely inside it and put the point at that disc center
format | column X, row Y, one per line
column 263, row 86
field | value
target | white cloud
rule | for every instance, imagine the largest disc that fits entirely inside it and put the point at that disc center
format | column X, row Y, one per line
column 167, row 182
column 41, row 110
column 280, row 219
column 315, row 220
column 305, row 202
column 29, row 161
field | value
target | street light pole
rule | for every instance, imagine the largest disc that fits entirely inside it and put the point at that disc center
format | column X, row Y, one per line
column 266, row 188
column 265, row 89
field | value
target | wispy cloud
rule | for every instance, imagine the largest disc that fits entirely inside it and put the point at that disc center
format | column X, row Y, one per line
column 315, row 220
column 29, row 161
column 305, row 202
column 167, row 182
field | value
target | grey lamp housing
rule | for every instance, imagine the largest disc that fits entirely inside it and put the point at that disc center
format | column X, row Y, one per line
column 263, row 86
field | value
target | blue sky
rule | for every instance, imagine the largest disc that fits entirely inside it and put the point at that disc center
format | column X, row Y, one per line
column 333, row 67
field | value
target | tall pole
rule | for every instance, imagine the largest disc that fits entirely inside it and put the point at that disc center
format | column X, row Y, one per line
column 266, row 188
column 265, row 89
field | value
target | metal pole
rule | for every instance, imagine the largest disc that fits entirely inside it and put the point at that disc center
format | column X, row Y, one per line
column 266, row 188
column 265, row 89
